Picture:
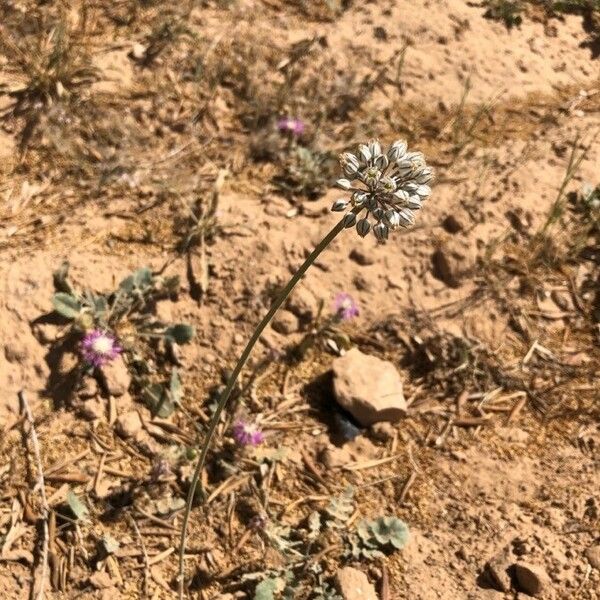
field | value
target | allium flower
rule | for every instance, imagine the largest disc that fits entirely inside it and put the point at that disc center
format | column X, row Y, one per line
column 345, row 306
column 390, row 186
column 291, row 125
column 99, row 347
column 247, row 434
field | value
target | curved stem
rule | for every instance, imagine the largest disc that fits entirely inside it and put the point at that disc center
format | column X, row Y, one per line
column 231, row 382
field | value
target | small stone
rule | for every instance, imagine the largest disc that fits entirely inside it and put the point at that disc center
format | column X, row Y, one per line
column 129, row 424
column 92, row 409
column 531, row 578
column 497, row 568
column 354, row 585
column 513, row 434
column 361, row 257
column 383, row 431
column 369, row 388
column 334, row 458
column 115, row 377
column 101, row 580
column 14, row 353
column 88, row 389
column 445, row 269
column 593, row 556
column 285, row 322
column 452, row 225
column 138, row 51
column 303, row 304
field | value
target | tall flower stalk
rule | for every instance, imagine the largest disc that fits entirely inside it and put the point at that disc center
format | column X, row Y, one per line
column 388, row 187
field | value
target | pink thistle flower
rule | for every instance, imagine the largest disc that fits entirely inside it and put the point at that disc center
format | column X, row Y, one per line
column 247, row 434
column 291, row 125
column 345, row 306
column 99, row 347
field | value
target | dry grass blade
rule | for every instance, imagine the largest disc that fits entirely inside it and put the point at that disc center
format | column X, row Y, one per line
column 42, row 487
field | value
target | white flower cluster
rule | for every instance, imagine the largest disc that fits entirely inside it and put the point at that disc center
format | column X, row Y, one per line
column 390, row 186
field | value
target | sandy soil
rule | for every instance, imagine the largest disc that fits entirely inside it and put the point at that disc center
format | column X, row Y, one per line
column 108, row 186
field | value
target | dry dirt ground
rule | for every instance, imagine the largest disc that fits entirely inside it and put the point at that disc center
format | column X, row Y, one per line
column 140, row 134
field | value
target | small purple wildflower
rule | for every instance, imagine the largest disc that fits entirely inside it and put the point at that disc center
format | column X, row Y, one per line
column 247, row 434
column 99, row 347
column 345, row 306
column 291, row 125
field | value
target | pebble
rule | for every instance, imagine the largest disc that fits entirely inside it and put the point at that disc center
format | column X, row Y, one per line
column 129, row 424
column 531, row 578
column 497, row 568
column 354, row 585
column 361, row 257
column 452, row 225
column 334, row 458
column 445, row 269
column 88, row 389
column 92, row 409
column 383, row 431
column 593, row 556
column 303, row 304
column 369, row 388
column 512, row 434
column 115, row 377
column 285, row 322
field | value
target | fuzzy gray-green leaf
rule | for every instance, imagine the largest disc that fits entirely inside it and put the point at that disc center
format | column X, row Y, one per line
column 66, row 305
column 78, row 508
column 180, row 333
column 158, row 401
column 267, row 588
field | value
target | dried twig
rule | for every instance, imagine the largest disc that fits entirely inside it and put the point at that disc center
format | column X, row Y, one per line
column 41, row 484
column 145, row 553
column 385, row 583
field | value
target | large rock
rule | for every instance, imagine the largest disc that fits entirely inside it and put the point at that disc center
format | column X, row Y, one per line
column 354, row 585
column 369, row 388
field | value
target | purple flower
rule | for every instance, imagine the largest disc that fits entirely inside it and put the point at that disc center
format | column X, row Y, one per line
column 345, row 306
column 291, row 125
column 247, row 434
column 99, row 347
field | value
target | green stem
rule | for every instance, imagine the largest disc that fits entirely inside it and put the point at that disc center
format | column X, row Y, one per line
column 231, row 382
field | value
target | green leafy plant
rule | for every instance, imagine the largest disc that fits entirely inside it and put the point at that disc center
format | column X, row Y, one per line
column 327, row 330
column 305, row 172
column 508, row 11
column 129, row 312
column 374, row 538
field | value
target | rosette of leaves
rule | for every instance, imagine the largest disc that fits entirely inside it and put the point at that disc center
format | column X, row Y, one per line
column 306, row 172
column 276, row 587
column 340, row 508
column 379, row 536
column 130, row 308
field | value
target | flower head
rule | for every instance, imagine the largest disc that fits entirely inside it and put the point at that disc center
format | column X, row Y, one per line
column 345, row 306
column 99, row 347
column 390, row 186
column 291, row 125
column 247, row 434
